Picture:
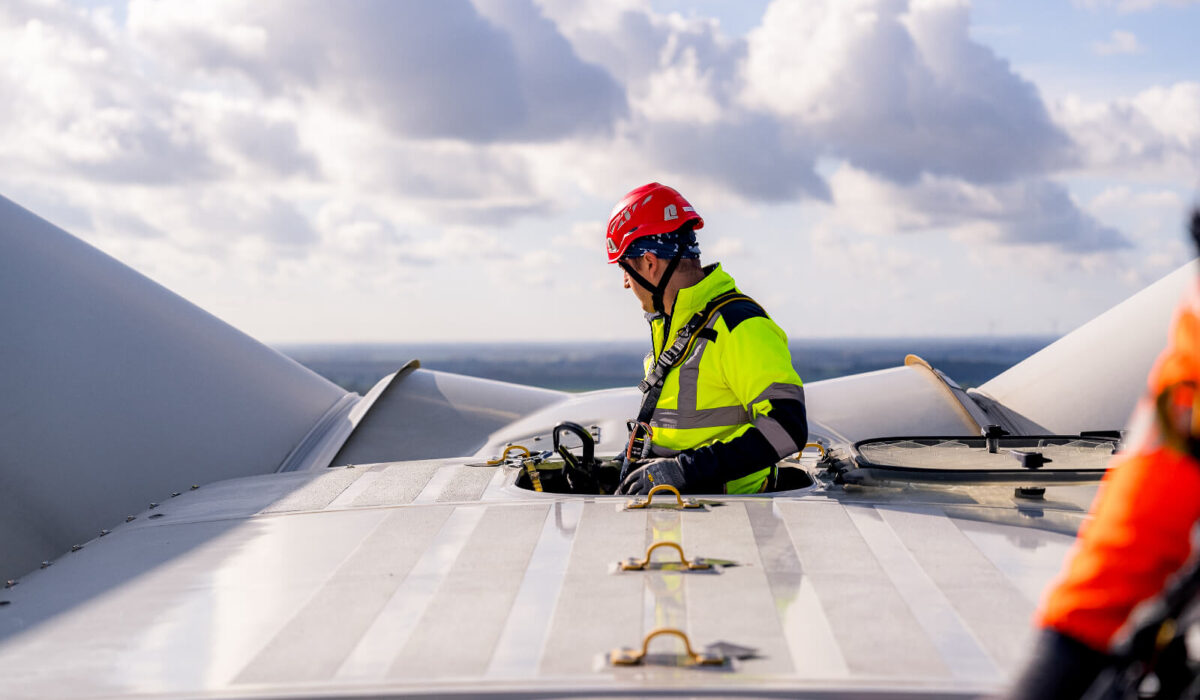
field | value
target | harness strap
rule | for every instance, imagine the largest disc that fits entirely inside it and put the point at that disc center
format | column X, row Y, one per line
column 684, row 343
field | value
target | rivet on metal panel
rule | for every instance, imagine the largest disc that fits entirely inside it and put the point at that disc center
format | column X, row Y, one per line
column 635, row 564
column 153, row 506
column 130, row 518
column 174, row 494
column 195, row 486
column 76, row 547
column 633, row 657
column 46, row 563
column 10, row 583
column 680, row 501
column 104, row 532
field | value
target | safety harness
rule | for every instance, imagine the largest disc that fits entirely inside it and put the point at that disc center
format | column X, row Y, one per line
column 640, row 433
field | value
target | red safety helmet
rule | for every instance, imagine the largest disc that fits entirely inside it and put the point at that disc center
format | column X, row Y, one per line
column 647, row 211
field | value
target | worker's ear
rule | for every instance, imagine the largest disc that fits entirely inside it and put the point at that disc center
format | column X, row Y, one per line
column 652, row 264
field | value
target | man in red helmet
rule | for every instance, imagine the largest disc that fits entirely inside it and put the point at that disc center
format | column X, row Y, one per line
column 722, row 403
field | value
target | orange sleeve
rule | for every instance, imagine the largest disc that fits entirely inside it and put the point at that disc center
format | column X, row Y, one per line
column 1140, row 534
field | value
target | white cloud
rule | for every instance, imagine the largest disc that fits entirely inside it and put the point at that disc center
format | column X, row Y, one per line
column 585, row 235
column 1157, row 130
column 426, row 70
column 900, row 89
column 1029, row 212
column 687, row 125
column 834, row 247
column 1123, row 198
column 540, row 268
column 367, row 141
column 1118, row 43
column 1127, row 6
column 78, row 103
column 724, row 248
column 681, row 92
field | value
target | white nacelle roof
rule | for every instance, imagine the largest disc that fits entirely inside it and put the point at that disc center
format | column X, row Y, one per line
column 437, row 577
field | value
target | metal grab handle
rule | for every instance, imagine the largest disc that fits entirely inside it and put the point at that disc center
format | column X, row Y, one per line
column 530, row 469
column 819, row 446
column 636, row 565
column 589, row 445
column 500, row 460
column 680, row 501
column 633, row 657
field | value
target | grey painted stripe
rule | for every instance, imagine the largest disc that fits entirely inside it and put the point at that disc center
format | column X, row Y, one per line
column 598, row 609
column 457, row 634
column 466, row 484
column 873, row 625
column 736, row 605
column 777, row 436
column 346, row 498
column 718, row 417
column 984, row 598
column 439, row 482
column 318, row 493
column 958, row 647
column 395, row 623
column 398, row 484
column 324, row 630
column 814, row 650
column 519, row 650
column 780, row 390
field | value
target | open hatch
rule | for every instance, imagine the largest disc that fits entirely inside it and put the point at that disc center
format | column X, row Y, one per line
column 572, row 467
column 992, row 457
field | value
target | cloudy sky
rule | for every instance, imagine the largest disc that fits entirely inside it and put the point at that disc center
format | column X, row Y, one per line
column 443, row 170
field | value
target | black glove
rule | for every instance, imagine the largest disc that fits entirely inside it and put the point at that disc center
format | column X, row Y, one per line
column 667, row 470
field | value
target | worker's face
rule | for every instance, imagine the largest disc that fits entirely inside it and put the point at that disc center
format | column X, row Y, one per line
column 649, row 267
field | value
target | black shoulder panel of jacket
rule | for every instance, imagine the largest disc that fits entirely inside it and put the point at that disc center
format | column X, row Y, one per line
column 736, row 312
column 710, row 467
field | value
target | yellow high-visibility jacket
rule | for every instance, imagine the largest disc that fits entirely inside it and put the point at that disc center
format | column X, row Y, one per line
column 735, row 406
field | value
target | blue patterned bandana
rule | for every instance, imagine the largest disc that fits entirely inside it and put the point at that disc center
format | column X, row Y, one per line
column 665, row 245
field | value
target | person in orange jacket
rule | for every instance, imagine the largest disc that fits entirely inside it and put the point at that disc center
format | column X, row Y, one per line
column 1140, row 532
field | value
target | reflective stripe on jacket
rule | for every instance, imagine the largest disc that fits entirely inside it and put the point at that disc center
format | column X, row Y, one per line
column 740, row 363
